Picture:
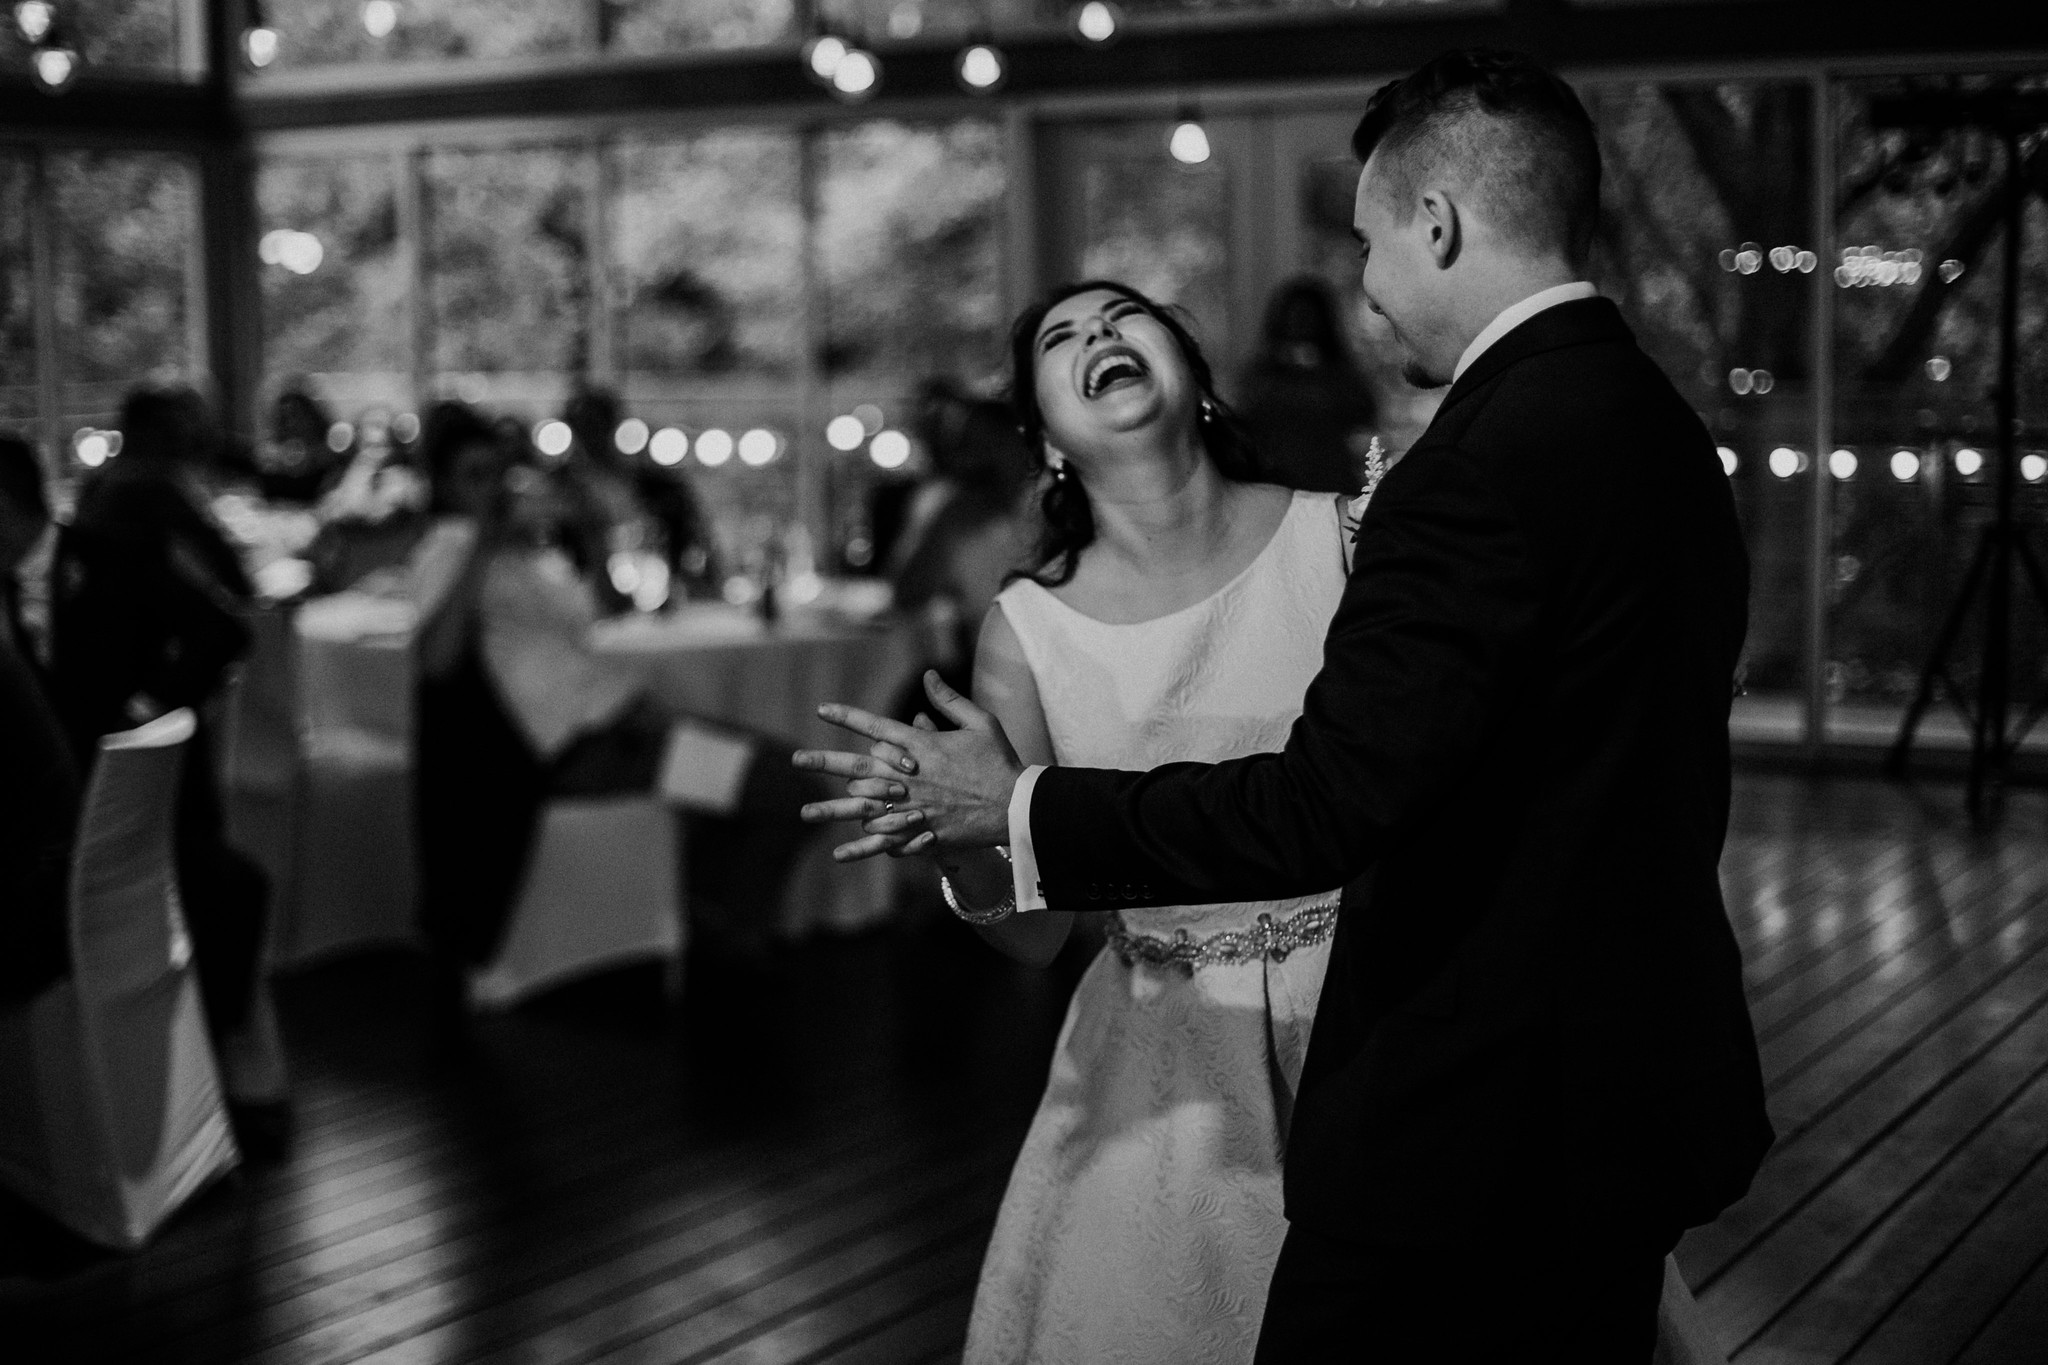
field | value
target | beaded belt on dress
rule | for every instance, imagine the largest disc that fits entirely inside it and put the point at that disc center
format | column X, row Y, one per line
column 1269, row 938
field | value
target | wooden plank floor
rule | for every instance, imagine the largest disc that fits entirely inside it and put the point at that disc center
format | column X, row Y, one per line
column 801, row 1163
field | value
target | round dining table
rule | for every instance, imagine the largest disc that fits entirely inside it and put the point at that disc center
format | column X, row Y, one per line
column 725, row 664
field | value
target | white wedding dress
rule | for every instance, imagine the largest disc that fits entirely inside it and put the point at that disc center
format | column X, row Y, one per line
column 1143, row 1217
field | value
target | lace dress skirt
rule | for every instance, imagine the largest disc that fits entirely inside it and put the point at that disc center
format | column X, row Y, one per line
column 1143, row 1217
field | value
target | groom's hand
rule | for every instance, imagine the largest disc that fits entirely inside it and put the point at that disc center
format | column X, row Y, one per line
column 919, row 789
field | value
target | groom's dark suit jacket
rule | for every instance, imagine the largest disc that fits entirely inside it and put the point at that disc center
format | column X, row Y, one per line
column 1515, row 759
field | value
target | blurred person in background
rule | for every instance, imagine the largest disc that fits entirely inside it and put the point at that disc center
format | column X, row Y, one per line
column 618, row 502
column 516, row 707
column 24, row 536
column 148, row 603
column 970, row 526
column 1307, row 407
column 39, row 788
column 299, row 464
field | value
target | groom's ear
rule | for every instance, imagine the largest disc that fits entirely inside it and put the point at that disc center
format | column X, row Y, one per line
column 1437, row 214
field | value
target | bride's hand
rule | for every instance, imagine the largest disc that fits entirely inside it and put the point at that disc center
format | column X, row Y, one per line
column 955, row 784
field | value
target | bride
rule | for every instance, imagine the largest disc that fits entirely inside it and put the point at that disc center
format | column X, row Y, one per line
column 1176, row 612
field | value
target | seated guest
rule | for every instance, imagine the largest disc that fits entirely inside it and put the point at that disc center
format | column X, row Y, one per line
column 147, row 611
column 612, row 497
column 516, row 707
column 39, row 791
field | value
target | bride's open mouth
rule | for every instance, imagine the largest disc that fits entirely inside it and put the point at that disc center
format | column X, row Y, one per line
column 1113, row 367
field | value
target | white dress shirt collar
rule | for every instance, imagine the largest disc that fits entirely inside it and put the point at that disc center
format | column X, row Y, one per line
column 1515, row 314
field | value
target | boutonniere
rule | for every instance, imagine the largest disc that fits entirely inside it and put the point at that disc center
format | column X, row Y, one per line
column 1375, row 470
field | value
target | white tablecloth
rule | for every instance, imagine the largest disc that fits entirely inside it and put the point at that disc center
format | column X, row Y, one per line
column 722, row 664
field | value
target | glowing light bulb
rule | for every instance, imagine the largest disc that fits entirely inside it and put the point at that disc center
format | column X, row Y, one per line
column 55, row 67
column 857, row 75
column 379, row 18
column 1784, row 462
column 758, row 447
column 631, row 436
column 552, row 438
column 714, row 447
column 1905, row 465
column 1729, row 464
column 1842, row 464
column 1097, row 22
column 889, row 449
column 2033, row 467
column 33, row 20
column 668, row 446
column 1968, row 462
column 845, row 432
column 823, row 55
column 1189, row 143
column 980, row 68
column 259, row 47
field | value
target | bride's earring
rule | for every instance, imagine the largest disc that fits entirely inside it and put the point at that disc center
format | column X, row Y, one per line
column 1057, row 463
column 1208, row 411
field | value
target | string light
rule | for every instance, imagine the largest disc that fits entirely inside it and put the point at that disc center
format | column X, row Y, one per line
column 1842, row 464
column 631, row 436
column 1729, row 464
column 822, row 55
column 980, row 68
column 379, row 18
column 845, row 432
column 889, row 449
column 1864, row 266
column 857, row 75
column 1939, row 369
column 1785, row 462
column 758, row 447
column 668, row 446
column 2032, row 467
column 1968, row 462
column 259, row 46
column 552, row 438
column 55, row 68
column 906, row 20
column 1905, row 465
column 298, row 252
column 1097, row 23
column 33, row 20
column 714, row 447
column 1189, row 141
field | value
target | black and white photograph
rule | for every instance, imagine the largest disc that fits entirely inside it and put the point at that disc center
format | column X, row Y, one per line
column 1023, row 682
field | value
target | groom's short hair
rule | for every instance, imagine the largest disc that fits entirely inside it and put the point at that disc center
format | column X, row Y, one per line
column 1501, row 126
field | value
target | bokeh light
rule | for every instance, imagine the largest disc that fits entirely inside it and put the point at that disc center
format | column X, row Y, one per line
column 845, row 432
column 1842, row 464
column 1096, row 22
column 1968, row 462
column 33, row 19
column 340, row 437
column 714, row 447
column 856, row 75
column 631, row 436
column 1729, row 464
column 758, row 447
column 823, row 54
column 668, row 446
column 379, row 18
column 2032, row 467
column 1189, row 143
column 259, row 47
column 889, row 450
column 1905, row 465
column 552, row 438
column 980, row 68
column 1784, row 462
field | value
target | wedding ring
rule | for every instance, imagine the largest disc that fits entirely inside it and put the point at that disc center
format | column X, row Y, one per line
column 888, row 807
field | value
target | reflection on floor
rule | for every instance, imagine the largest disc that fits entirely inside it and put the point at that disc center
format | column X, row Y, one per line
column 801, row 1164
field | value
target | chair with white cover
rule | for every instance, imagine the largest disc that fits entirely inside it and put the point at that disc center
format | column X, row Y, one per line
column 115, row 1116
column 602, row 889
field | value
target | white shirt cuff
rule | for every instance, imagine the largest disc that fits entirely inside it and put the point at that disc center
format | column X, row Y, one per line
column 1023, row 860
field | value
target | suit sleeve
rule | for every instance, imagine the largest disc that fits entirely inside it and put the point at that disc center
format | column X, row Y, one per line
column 1425, row 653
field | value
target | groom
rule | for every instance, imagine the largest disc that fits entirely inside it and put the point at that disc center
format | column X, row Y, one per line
column 1533, row 1066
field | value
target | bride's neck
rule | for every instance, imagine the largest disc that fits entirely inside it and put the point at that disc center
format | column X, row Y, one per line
column 1163, row 511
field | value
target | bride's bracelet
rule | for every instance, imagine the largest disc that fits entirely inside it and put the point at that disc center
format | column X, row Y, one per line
column 995, row 915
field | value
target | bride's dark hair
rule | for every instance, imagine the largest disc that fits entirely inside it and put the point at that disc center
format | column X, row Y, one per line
column 1069, row 521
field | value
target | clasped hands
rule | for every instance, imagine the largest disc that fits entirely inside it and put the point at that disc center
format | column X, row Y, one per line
column 918, row 789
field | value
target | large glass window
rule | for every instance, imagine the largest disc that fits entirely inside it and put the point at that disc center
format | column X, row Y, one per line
column 336, row 314
column 1706, row 244
column 124, row 224
column 707, row 296
column 126, row 34
column 1919, row 275
column 18, row 405
column 1147, row 219
column 313, row 32
column 509, row 260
